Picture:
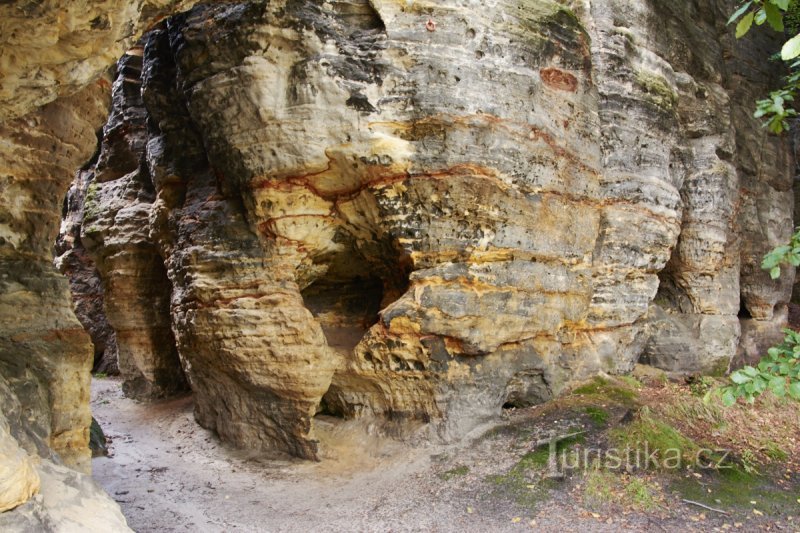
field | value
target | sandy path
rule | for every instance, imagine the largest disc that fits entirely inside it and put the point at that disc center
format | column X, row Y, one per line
column 168, row 474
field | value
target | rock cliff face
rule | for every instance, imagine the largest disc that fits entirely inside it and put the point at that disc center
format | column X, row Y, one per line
column 115, row 231
column 418, row 212
column 85, row 284
column 410, row 212
column 53, row 98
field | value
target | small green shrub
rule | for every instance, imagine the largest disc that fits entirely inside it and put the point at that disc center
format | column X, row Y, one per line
column 778, row 372
column 599, row 416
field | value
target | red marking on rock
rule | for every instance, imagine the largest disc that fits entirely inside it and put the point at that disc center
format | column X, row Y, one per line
column 559, row 79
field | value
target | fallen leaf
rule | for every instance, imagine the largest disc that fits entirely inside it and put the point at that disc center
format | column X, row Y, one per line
column 470, row 510
column 516, row 520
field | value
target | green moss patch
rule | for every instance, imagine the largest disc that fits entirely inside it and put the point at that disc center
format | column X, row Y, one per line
column 661, row 445
column 734, row 489
column 604, row 489
column 613, row 390
column 526, row 482
column 458, row 471
column 658, row 90
column 598, row 415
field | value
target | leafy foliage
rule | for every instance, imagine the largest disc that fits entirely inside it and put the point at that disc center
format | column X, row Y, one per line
column 776, row 109
column 778, row 372
column 788, row 254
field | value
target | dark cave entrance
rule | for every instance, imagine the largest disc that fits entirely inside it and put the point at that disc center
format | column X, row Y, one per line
column 345, row 308
column 347, row 301
column 744, row 313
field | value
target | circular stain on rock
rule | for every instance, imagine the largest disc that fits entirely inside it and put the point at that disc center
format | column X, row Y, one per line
column 559, row 80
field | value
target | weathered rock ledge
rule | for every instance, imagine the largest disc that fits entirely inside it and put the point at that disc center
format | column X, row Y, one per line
column 420, row 213
column 412, row 213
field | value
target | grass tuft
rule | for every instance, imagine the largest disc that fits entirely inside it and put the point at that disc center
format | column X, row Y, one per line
column 654, row 438
column 458, row 471
column 598, row 415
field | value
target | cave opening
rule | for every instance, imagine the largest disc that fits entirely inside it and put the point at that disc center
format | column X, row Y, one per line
column 358, row 283
column 744, row 313
column 345, row 308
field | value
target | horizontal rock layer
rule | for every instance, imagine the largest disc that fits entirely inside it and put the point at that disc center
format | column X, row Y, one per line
column 53, row 98
column 419, row 212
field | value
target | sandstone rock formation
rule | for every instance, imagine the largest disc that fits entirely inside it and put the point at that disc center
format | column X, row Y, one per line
column 45, row 354
column 18, row 477
column 420, row 212
column 413, row 211
column 115, row 232
column 85, row 284
column 53, row 98
column 53, row 48
column 68, row 502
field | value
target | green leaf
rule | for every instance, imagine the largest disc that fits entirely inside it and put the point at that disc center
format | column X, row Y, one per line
column 728, row 399
column 783, row 5
column 744, row 26
column 778, row 386
column 749, row 371
column 791, row 48
column 775, row 272
column 738, row 377
column 739, row 12
column 761, row 17
column 774, row 17
column 794, row 390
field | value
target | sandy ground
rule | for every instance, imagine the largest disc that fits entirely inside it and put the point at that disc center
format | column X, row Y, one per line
column 168, row 474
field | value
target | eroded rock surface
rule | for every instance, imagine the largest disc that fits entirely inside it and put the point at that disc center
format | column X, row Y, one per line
column 115, row 232
column 18, row 477
column 67, row 502
column 45, row 354
column 419, row 212
column 53, row 48
column 53, row 98
column 85, row 284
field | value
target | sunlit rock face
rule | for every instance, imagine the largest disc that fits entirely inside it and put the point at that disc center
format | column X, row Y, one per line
column 52, row 48
column 53, row 98
column 85, row 285
column 415, row 213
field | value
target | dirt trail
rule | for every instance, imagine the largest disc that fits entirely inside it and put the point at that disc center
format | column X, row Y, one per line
column 168, row 474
